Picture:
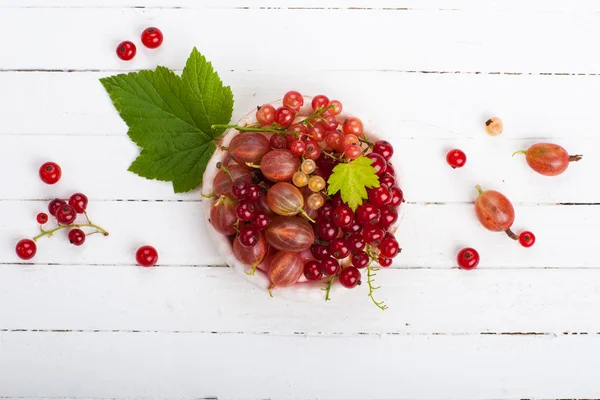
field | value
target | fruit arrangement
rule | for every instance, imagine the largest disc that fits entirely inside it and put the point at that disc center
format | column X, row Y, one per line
column 303, row 194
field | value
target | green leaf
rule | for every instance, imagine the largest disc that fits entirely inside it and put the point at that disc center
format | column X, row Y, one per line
column 170, row 117
column 352, row 180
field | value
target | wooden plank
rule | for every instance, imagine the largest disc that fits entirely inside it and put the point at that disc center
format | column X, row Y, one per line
column 177, row 231
column 285, row 367
column 405, row 40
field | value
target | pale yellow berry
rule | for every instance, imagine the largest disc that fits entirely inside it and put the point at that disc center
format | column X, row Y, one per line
column 315, row 201
column 299, row 179
column 316, row 183
column 308, row 166
column 494, row 126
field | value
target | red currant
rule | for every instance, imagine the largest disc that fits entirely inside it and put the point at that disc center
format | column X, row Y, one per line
column 146, row 256
column 240, row 189
column 50, row 173
column 261, row 220
column 312, row 270
column 254, row 192
column 26, row 249
column 298, row 147
column 248, row 236
column 387, row 179
column 335, row 141
column 152, row 37
column 277, row 142
column 300, row 129
column 354, row 227
column 66, row 214
column 54, row 205
column 319, row 101
column 313, row 150
column 343, row 216
column 326, row 230
column 335, row 107
column 373, row 234
column 79, row 202
column 293, row 100
column 384, row 262
column 397, row 196
column 384, row 148
column 320, row 252
column 265, row 114
column 456, row 158
column 336, row 200
column 326, row 212
column 245, row 210
column 390, row 169
column 284, row 116
column 379, row 196
column 126, row 50
column 389, row 216
column 42, row 218
column 356, row 243
column 331, row 122
column 76, row 237
column 378, row 163
column 527, row 239
column 368, row 214
column 360, row 260
column 330, row 266
column 350, row 277
column 353, row 151
column 316, row 132
column 350, row 140
column 352, row 126
column 338, row 248
column 468, row 258
column 389, row 248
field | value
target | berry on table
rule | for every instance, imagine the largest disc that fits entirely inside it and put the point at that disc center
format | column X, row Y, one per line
column 54, row 205
column 66, row 214
column 42, row 218
column 468, row 258
column 265, row 115
column 79, row 202
column 494, row 126
column 26, row 249
column 350, row 277
column 126, row 50
column 312, row 270
column 152, row 37
column 50, row 173
column 76, row 237
column 146, row 256
column 527, row 239
column 456, row 158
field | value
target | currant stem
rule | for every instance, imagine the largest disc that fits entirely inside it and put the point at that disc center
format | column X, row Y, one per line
column 316, row 114
column 51, row 232
column 519, row 152
column 327, row 288
column 511, row 234
column 478, row 187
column 370, row 281
column 246, row 128
column 575, row 158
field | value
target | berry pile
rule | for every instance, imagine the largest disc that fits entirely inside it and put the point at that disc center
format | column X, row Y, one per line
column 272, row 199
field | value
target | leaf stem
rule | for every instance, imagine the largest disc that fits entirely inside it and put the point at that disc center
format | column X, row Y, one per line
column 247, row 129
column 51, row 232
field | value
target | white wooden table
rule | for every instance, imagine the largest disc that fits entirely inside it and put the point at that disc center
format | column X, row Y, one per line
column 87, row 323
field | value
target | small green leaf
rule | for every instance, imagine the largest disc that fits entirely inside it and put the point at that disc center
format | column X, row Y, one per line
column 352, row 180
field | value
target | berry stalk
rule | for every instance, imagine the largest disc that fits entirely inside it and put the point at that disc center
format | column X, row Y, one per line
column 88, row 225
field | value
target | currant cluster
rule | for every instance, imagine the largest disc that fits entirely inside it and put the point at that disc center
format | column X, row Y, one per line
column 272, row 199
column 152, row 38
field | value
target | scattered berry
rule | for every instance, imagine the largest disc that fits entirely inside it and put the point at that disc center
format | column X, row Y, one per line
column 152, row 37
column 468, row 258
column 527, row 239
column 42, row 218
column 66, row 214
column 76, row 237
column 456, row 158
column 50, row 173
column 126, row 50
column 494, row 126
column 79, row 202
column 146, row 256
column 54, row 205
column 350, row 277
column 26, row 249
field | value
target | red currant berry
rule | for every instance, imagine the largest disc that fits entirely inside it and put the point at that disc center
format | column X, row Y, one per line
column 42, row 218
column 261, row 220
column 79, row 202
column 126, row 50
column 326, row 230
column 379, row 196
column 312, row 270
column 352, row 151
column 245, row 210
column 456, row 158
column 146, row 256
column 300, row 129
column 316, row 133
column 350, row 140
column 313, row 150
column 26, row 249
column 384, row 262
column 331, row 122
column 76, row 237
column 527, row 239
column 384, row 148
column 389, row 248
column 343, row 216
column 467, row 258
column 335, row 107
column 368, row 214
column 356, row 243
column 360, row 260
column 293, row 100
column 335, row 141
column 277, row 142
column 330, row 266
column 319, row 101
column 397, row 196
column 373, row 234
column 387, row 179
column 338, row 248
column 240, row 189
column 350, row 277
column 66, row 214
column 54, row 205
column 152, row 37
column 298, row 147
column 336, row 200
column 389, row 216
column 354, row 227
column 50, row 173
column 352, row 126
column 265, row 114
column 390, row 169
column 248, row 236
column 254, row 192
column 326, row 212
column 284, row 116
column 320, row 252
column 378, row 163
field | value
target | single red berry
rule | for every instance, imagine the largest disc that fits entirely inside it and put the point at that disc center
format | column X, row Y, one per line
column 326, row 212
column 319, row 101
column 79, row 202
column 350, row 277
column 248, row 236
column 146, row 256
column 245, row 210
column 384, row 262
column 277, row 142
column 343, row 216
column 373, row 234
column 284, row 116
column 352, row 126
column 54, row 205
column 378, row 163
column 42, row 218
column 76, row 237
column 240, row 189
column 390, row 169
column 313, row 150
column 527, row 239
column 456, row 158
column 368, row 214
column 468, row 258
column 356, row 242
column 360, row 260
column 389, row 216
column 312, row 270
column 66, row 214
column 298, row 147
column 338, row 248
column 330, row 266
column 397, row 196
column 293, row 100
column 316, row 133
column 379, row 196
column 126, row 50
column 387, row 179
column 335, row 108
column 152, row 37
column 384, row 148
column 50, row 173
column 336, row 200
column 331, row 123
column 261, row 220
column 326, row 230
column 320, row 252
column 389, row 248
column 26, row 249
column 265, row 114
column 354, row 227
